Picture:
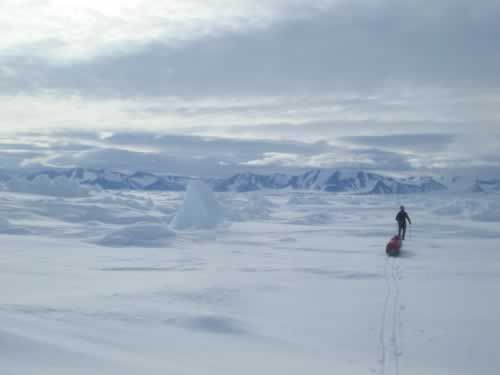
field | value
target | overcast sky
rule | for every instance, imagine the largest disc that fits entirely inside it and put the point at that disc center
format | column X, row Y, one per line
column 191, row 86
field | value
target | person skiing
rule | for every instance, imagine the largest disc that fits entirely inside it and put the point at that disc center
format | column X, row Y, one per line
column 401, row 218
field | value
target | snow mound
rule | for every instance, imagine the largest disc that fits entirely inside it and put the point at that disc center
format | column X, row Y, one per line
column 43, row 185
column 6, row 227
column 471, row 209
column 460, row 208
column 490, row 214
column 139, row 235
column 255, row 208
column 82, row 212
column 200, row 209
column 123, row 200
column 306, row 199
column 320, row 218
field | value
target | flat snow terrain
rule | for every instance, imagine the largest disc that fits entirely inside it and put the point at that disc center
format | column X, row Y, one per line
column 289, row 283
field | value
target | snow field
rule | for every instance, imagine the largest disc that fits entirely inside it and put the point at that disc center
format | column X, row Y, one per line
column 106, row 284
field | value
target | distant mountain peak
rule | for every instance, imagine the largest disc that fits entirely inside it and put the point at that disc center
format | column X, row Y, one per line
column 327, row 180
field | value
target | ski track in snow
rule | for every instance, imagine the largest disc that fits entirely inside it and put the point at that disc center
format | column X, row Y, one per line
column 390, row 342
column 396, row 316
column 382, row 334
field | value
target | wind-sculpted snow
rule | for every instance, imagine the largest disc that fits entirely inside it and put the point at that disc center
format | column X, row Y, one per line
column 210, row 324
column 490, row 214
column 307, row 199
column 253, row 206
column 459, row 208
column 125, row 200
column 83, row 212
column 340, row 274
column 478, row 210
column 487, row 186
column 139, row 235
column 42, row 185
column 6, row 227
column 114, row 180
column 16, row 348
column 298, row 283
column 319, row 218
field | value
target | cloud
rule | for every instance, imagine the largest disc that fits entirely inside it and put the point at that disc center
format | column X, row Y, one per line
column 62, row 31
column 13, row 160
column 187, row 155
column 429, row 128
column 267, row 49
column 232, row 149
column 192, row 155
column 282, row 82
column 212, row 156
column 407, row 142
column 276, row 159
column 337, row 157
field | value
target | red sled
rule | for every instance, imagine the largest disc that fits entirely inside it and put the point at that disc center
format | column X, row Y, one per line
column 393, row 248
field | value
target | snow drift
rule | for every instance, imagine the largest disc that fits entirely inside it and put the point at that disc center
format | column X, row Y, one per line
column 139, row 235
column 255, row 207
column 306, row 199
column 200, row 209
column 472, row 210
column 490, row 214
column 457, row 208
column 6, row 227
column 318, row 218
column 43, row 185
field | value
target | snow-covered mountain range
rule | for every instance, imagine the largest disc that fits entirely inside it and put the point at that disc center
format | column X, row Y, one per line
column 339, row 181
column 113, row 180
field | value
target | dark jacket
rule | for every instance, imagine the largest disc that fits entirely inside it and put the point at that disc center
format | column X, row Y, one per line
column 401, row 218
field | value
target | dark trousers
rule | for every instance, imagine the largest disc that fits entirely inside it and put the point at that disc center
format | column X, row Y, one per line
column 402, row 230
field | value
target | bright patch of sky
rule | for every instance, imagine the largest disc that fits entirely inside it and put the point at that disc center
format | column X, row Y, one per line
column 61, row 30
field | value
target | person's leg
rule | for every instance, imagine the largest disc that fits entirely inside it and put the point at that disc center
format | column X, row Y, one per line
column 404, row 231
column 400, row 230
